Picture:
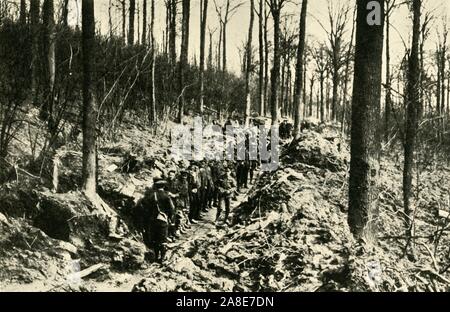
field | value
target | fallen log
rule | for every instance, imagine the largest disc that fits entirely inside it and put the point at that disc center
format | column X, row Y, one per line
column 90, row 270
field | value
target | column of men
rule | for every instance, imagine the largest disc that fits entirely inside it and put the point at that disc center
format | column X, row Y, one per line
column 182, row 198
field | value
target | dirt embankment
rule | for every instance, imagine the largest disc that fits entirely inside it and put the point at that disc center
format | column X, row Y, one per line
column 289, row 232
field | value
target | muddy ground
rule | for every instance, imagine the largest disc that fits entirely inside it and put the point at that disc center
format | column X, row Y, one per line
column 289, row 230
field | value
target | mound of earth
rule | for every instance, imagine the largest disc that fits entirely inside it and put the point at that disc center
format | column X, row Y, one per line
column 292, row 235
column 28, row 255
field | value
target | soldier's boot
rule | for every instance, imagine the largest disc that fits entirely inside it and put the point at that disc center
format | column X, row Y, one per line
column 163, row 253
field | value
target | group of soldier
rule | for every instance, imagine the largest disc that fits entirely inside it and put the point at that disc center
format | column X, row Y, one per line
column 183, row 197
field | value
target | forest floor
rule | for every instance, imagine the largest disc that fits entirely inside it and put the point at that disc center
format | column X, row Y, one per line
column 289, row 230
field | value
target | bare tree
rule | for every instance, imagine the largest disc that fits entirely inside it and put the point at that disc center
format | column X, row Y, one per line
column 144, row 22
column 441, row 54
column 276, row 7
column 110, row 22
column 173, row 34
column 261, row 91
column 248, row 68
column 338, row 20
column 50, row 61
column 348, row 59
column 124, row 20
column 365, row 137
column 183, row 55
column 299, row 69
column 210, row 53
column 311, row 86
column 321, row 59
column 153, row 116
column 225, row 13
column 288, row 50
column 412, row 118
column 23, row 12
column 203, row 20
column 34, row 20
column 132, row 10
column 266, row 58
column 89, row 104
column 390, row 5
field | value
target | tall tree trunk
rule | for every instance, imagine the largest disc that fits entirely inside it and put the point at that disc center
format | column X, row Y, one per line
column 224, row 47
column 89, row 105
column 144, row 22
column 319, row 107
column 261, row 91
column 153, row 115
column 322, row 104
column 311, row 85
column 23, row 12
column 203, row 20
column 387, row 112
column 167, row 31
column 65, row 13
column 50, row 61
column 289, row 93
column 448, row 94
column 35, row 29
column 327, row 97
column 438, row 87
column 275, row 73
column 266, row 60
column 299, row 77
column 413, row 104
column 210, row 52
column 248, row 69
column 173, row 34
column 281, row 93
column 219, row 48
column 305, row 90
column 335, row 100
column 347, row 78
column 110, row 22
column 443, row 87
column 183, row 56
column 124, row 20
column 132, row 10
column 137, row 13
column 365, row 136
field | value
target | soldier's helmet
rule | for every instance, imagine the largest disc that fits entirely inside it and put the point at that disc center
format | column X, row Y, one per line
column 159, row 182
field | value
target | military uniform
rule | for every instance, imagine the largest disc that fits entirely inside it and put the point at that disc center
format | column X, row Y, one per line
column 225, row 185
column 194, row 198
column 156, row 204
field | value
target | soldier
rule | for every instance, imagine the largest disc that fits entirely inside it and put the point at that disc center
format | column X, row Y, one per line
column 158, row 211
column 215, row 176
column 183, row 180
column 194, row 198
column 206, row 187
column 203, row 187
column 228, row 123
column 288, row 130
column 225, row 188
column 173, row 190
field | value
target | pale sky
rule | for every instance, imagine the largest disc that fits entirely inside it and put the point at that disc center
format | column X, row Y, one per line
column 238, row 26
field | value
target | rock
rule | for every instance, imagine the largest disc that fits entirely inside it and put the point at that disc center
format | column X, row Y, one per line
column 68, row 247
column 444, row 214
column 3, row 219
column 112, row 168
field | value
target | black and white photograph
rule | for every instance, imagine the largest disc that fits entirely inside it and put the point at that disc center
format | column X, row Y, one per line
column 225, row 146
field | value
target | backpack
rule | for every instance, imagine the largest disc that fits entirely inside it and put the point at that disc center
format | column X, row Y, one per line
column 161, row 216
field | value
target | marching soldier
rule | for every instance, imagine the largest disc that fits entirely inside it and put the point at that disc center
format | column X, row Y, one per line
column 194, row 197
column 158, row 212
column 225, row 188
